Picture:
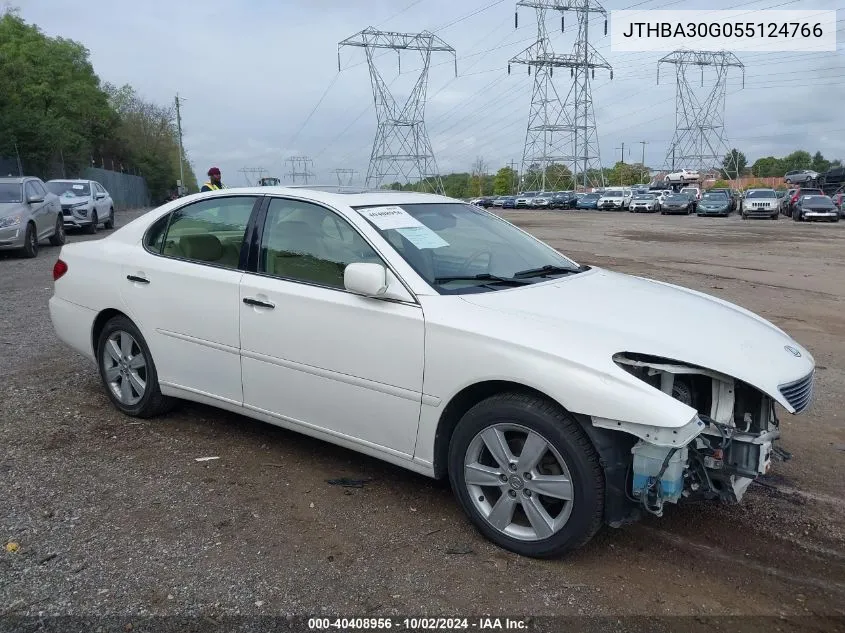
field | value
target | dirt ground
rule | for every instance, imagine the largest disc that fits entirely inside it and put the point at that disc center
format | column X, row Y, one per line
column 112, row 515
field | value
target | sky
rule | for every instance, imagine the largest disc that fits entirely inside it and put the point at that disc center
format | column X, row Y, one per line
column 260, row 83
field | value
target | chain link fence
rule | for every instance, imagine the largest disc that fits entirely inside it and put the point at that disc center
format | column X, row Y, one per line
column 127, row 190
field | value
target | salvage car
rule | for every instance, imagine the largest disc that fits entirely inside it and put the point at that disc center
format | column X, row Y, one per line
column 647, row 202
column 523, row 200
column 761, row 203
column 677, row 203
column 588, row 201
column 682, row 176
column 714, row 204
column 85, row 204
column 28, row 214
column 815, row 208
column 614, row 199
column 800, row 176
column 436, row 336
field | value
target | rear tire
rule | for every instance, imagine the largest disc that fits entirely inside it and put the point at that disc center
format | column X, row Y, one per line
column 58, row 238
column 92, row 228
column 530, row 522
column 30, row 242
column 109, row 224
column 128, row 371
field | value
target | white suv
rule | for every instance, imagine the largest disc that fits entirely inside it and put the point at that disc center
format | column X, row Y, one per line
column 85, row 204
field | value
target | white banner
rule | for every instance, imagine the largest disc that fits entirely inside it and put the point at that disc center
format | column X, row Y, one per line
column 736, row 30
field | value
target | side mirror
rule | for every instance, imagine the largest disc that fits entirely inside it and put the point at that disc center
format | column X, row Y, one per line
column 35, row 199
column 100, row 196
column 369, row 280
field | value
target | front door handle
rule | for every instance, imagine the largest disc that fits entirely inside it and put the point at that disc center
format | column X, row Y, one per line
column 258, row 304
column 137, row 279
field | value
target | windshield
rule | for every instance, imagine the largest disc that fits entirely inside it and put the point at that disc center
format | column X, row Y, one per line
column 714, row 197
column 10, row 192
column 677, row 197
column 69, row 189
column 644, row 196
column 459, row 248
column 614, row 193
column 818, row 201
column 761, row 194
column 591, row 196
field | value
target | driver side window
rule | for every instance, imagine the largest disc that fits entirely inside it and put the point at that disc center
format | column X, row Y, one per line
column 305, row 242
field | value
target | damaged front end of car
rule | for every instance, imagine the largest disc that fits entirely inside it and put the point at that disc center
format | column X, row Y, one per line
column 728, row 443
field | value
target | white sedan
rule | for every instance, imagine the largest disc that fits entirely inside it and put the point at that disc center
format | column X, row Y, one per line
column 437, row 336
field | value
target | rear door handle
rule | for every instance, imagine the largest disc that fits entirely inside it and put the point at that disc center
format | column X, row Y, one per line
column 137, row 279
column 258, row 304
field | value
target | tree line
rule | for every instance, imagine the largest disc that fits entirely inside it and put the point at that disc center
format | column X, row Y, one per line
column 57, row 117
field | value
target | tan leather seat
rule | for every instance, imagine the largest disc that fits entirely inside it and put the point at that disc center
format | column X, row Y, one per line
column 295, row 250
column 203, row 247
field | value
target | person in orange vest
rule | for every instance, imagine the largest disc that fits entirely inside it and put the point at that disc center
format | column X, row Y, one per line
column 213, row 182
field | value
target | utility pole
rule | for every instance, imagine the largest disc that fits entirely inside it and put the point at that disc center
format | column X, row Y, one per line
column 622, row 170
column 515, row 171
column 181, row 155
column 642, row 164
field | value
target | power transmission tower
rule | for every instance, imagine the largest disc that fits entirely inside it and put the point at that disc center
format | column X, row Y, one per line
column 699, row 140
column 345, row 177
column 181, row 188
column 561, row 132
column 256, row 172
column 299, row 168
column 401, row 147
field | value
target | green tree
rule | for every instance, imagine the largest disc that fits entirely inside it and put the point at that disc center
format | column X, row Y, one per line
column 504, row 182
column 819, row 163
column 768, row 167
column 51, row 104
column 734, row 164
column 798, row 159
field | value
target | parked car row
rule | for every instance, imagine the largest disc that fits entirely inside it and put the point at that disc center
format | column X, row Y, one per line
column 32, row 210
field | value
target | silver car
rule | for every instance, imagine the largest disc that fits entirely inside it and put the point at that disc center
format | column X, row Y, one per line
column 28, row 214
column 85, row 204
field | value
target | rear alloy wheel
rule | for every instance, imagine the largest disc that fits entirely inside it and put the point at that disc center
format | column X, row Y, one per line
column 58, row 238
column 30, row 241
column 92, row 228
column 128, row 371
column 527, row 475
column 109, row 224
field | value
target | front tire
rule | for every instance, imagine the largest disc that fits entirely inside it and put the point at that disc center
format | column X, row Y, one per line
column 30, row 242
column 92, row 228
column 58, row 238
column 527, row 475
column 128, row 371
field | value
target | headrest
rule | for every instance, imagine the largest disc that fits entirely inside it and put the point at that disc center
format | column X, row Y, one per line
column 204, row 247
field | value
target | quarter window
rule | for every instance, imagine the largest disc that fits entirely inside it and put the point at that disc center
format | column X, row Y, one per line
column 210, row 231
column 306, row 242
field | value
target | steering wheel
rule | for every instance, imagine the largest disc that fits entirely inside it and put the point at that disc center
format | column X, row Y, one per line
column 471, row 259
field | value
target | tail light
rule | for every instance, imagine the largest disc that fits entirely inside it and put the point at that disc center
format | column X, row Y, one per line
column 59, row 269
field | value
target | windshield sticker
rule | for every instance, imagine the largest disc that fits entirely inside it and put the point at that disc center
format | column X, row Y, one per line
column 391, row 217
column 422, row 237
column 79, row 187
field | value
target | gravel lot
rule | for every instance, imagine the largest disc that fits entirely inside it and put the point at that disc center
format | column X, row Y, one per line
column 114, row 516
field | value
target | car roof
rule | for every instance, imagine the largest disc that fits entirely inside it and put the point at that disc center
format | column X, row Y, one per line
column 340, row 198
column 69, row 180
column 14, row 179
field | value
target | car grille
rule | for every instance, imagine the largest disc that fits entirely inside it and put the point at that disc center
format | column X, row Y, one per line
column 799, row 393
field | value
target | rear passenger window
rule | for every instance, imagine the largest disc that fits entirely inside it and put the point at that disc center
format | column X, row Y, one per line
column 210, row 231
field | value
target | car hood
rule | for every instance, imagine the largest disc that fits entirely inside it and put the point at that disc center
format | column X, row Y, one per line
column 10, row 208
column 612, row 313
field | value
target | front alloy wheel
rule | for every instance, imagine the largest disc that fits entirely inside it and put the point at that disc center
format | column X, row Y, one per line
column 526, row 496
column 527, row 475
